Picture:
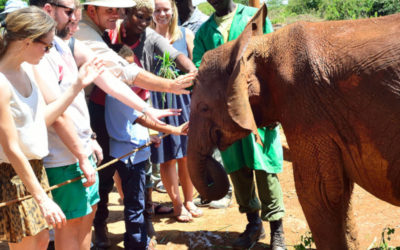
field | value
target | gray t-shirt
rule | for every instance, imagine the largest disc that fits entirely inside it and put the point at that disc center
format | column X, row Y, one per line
column 152, row 44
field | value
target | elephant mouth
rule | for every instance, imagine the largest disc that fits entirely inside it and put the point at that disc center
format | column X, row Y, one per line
column 216, row 180
column 207, row 174
column 216, row 138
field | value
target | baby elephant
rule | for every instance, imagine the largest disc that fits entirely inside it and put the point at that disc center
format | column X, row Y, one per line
column 334, row 87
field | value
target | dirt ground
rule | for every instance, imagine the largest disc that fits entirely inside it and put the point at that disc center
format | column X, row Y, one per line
column 218, row 228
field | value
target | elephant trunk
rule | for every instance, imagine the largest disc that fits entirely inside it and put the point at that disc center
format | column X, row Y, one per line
column 208, row 175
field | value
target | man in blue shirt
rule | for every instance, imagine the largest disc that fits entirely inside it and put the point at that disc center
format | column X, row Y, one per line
column 125, row 135
column 127, row 129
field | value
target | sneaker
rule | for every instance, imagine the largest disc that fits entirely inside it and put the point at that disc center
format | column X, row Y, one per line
column 160, row 187
column 222, row 203
column 199, row 202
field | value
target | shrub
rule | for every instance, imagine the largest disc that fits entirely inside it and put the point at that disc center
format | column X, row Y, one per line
column 345, row 9
column 384, row 7
column 303, row 6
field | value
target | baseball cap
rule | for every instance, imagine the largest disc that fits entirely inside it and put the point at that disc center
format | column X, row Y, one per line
column 13, row 5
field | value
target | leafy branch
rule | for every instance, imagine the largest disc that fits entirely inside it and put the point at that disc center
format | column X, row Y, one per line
column 167, row 70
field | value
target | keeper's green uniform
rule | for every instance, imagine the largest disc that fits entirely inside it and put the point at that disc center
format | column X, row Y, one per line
column 246, row 155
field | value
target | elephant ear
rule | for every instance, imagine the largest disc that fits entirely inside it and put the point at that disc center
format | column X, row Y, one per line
column 237, row 90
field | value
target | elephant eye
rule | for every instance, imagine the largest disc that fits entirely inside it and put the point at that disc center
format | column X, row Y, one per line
column 202, row 107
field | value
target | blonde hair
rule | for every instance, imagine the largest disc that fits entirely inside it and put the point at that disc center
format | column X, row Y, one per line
column 30, row 22
column 173, row 28
column 148, row 4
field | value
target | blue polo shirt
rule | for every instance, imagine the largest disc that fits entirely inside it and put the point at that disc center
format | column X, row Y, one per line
column 125, row 134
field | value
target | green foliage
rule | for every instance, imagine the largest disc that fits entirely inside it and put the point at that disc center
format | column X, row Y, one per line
column 384, row 7
column 311, row 10
column 306, row 242
column 206, row 8
column 167, row 70
column 274, row 3
column 345, row 9
column 244, row 2
column 2, row 4
column 386, row 236
column 303, row 6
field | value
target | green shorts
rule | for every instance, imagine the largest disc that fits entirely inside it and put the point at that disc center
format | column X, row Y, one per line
column 74, row 199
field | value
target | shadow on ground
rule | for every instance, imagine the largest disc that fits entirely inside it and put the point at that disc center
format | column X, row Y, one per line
column 201, row 239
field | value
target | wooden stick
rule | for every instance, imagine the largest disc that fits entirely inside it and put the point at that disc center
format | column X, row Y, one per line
column 6, row 203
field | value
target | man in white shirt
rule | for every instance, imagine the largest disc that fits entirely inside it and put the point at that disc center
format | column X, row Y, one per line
column 98, row 16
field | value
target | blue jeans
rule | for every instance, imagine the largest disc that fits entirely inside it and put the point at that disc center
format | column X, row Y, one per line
column 133, row 179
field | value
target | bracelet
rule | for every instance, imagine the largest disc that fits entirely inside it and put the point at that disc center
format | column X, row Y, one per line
column 93, row 136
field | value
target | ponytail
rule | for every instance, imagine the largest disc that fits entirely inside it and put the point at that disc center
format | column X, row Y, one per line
column 30, row 22
column 3, row 40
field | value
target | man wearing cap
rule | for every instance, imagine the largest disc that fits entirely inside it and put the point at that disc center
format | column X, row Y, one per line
column 98, row 16
column 12, row 5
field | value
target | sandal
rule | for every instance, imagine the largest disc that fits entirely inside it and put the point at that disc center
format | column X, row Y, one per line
column 196, row 212
column 184, row 216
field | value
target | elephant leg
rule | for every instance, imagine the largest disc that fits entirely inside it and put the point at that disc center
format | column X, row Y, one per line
column 324, row 192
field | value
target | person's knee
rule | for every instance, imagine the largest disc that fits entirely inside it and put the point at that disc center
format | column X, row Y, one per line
column 42, row 239
column 73, row 227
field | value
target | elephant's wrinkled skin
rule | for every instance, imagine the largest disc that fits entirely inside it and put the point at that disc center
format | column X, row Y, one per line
column 334, row 87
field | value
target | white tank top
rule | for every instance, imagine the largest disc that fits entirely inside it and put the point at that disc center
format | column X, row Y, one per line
column 28, row 114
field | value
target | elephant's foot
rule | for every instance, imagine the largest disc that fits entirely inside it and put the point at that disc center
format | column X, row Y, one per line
column 253, row 233
column 277, row 235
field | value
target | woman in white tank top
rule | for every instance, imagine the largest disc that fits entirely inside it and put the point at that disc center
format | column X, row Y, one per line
column 25, row 36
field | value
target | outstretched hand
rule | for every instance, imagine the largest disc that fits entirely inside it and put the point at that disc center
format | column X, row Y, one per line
column 155, row 140
column 182, row 129
column 180, row 84
column 89, row 71
column 156, row 114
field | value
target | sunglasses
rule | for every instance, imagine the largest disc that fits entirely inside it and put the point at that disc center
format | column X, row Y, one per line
column 47, row 47
column 69, row 11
